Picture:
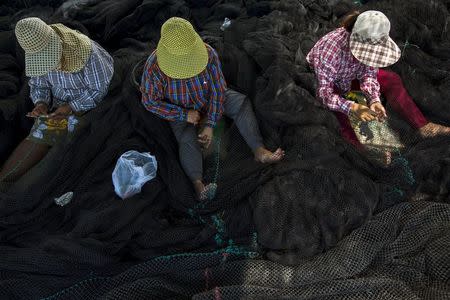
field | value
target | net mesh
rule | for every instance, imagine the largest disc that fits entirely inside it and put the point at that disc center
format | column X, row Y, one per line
column 328, row 222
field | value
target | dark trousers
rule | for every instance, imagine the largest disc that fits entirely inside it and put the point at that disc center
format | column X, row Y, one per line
column 236, row 107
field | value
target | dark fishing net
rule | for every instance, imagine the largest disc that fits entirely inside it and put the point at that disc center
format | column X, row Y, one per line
column 354, row 228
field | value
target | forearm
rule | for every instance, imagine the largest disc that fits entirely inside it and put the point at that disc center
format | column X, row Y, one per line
column 163, row 109
column 334, row 101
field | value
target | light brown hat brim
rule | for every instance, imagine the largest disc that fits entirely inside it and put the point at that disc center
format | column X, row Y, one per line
column 375, row 55
column 46, row 60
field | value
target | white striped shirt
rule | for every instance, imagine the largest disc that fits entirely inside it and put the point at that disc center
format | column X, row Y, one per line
column 82, row 90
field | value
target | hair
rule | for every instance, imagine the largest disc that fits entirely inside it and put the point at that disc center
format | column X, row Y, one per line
column 350, row 20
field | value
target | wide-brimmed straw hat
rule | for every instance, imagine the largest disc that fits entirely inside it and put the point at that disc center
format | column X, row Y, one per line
column 76, row 48
column 181, row 53
column 48, row 47
column 370, row 42
column 41, row 44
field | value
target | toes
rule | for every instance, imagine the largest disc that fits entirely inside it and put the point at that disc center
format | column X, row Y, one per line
column 209, row 192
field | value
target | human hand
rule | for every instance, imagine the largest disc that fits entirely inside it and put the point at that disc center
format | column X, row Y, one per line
column 379, row 109
column 193, row 117
column 362, row 112
column 205, row 137
column 61, row 112
column 39, row 110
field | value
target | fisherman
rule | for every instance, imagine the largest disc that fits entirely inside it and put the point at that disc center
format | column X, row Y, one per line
column 70, row 75
column 350, row 57
column 183, row 83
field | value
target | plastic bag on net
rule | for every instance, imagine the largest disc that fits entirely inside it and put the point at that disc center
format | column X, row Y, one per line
column 132, row 171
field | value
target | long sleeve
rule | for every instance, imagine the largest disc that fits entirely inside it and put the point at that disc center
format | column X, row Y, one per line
column 369, row 84
column 218, row 87
column 97, row 73
column 86, row 101
column 40, row 90
column 152, row 90
column 326, row 72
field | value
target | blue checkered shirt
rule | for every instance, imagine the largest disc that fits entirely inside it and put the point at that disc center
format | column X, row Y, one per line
column 82, row 90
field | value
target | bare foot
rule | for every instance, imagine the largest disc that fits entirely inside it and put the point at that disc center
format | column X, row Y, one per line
column 433, row 129
column 209, row 192
column 205, row 192
column 199, row 187
column 267, row 157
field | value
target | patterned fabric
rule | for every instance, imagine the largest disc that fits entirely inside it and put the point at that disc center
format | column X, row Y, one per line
column 41, row 44
column 181, row 53
column 376, row 54
column 370, row 42
column 336, row 67
column 76, row 48
column 51, row 132
column 171, row 98
column 81, row 90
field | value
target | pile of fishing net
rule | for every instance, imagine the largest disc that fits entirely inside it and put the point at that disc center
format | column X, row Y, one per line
column 351, row 227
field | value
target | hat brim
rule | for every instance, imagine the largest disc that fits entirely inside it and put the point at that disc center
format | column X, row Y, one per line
column 378, row 55
column 46, row 60
column 183, row 66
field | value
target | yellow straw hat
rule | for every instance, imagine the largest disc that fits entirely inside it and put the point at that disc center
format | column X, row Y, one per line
column 76, row 48
column 181, row 53
column 47, row 45
column 42, row 46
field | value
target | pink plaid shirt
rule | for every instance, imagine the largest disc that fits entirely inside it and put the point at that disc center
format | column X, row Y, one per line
column 336, row 68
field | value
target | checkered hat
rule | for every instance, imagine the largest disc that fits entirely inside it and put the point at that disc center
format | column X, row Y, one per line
column 181, row 53
column 76, row 48
column 370, row 42
column 41, row 44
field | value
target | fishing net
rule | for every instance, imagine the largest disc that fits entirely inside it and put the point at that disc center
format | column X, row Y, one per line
column 329, row 222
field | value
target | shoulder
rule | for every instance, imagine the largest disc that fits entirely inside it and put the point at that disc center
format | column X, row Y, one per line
column 39, row 80
column 338, row 38
column 213, row 57
column 99, row 52
column 151, row 61
column 151, row 69
column 334, row 44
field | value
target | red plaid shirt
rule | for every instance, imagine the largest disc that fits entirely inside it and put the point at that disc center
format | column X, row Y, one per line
column 336, row 68
column 171, row 98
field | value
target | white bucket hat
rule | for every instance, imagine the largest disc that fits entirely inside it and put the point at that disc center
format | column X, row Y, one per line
column 370, row 42
column 41, row 44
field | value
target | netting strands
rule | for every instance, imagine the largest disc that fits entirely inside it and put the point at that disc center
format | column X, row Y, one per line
column 315, row 209
column 373, row 262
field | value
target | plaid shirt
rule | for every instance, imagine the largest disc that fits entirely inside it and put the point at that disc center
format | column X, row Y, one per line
column 81, row 90
column 336, row 68
column 171, row 98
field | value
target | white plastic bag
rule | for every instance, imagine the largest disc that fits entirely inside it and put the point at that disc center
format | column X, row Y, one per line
column 132, row 171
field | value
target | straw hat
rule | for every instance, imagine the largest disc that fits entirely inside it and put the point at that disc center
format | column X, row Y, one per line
column 181, row 53
column 76, row 48
column 46, row 46
column 42, row 46
column 370, row 42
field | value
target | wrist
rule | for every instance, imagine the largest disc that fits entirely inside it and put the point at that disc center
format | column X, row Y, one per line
column 210, row 124
column 41, row 103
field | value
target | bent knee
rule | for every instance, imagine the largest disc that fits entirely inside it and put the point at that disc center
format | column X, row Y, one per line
column 391, row 77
